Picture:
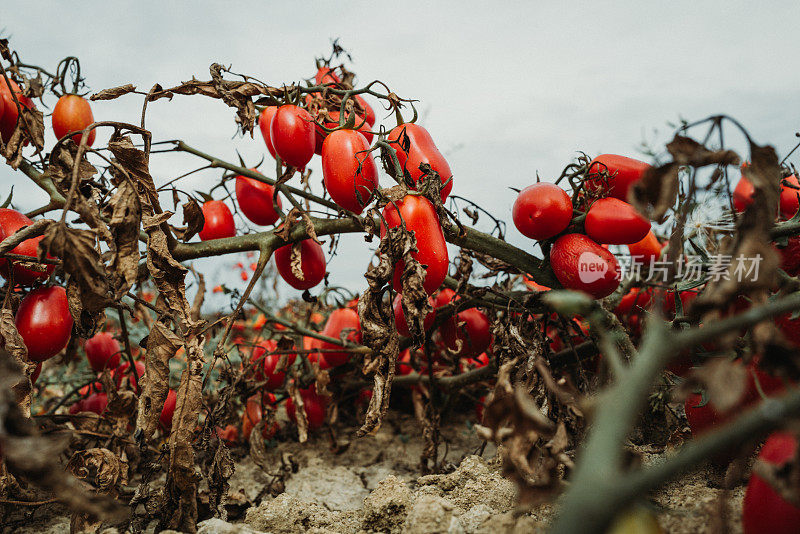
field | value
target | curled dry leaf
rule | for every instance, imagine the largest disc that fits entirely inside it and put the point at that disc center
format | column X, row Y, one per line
column 300, row 412
column 104, row 469
column 113, row 92
column 162, row 344
column 219, row 472
column 136, row 164
column 293, row 217
column 13, row 343
column 193, row 219
column 126, row 217
column 30, row 128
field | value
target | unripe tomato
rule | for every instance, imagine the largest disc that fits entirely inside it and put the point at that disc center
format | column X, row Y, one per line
column 349, row 172
column 165, row 419
column 102, row 351
column 622, row 173
column 72, row 114
column 421, row 150
column 764, row 511
column 580, row 263
column 339, row 320
column 788, row 199
column 266, row 364
column 470, row 330
column 421, row 218
column 218, row 221
column 743, row 194
column 312, row 264
column 264, row 123
column 255, row 200
column 542, row 210
column 400, row 317
column 8, row 121
column 292, row 135
column 10, row 222
column 44, row 322
column 124, row 372
column 314, row 406
column 646, row 250
column 614, row 222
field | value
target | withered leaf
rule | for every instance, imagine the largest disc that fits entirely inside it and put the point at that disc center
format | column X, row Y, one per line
column 162, row 344
column 114, row 92
column 193, row 219
column 30, row 128
column 135, row 162
column 125, row 220
column 106, row 470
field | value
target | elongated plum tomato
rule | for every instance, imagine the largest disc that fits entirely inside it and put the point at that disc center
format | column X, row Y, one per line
column 611, row 221
column 647, row 249
column 369, row 113
column 314, row 406
column 468, row 336
column 125, row 373
column 622, row 173
column 72, row 114
column 255, row 200
column 743, row 194
column 764, row 511
column 421, row 149
column 580, row 263
column 292, row 135
column 789, row 205
column 266, row 364
column 8, row 122
column 219, row 221
column 312, row 264
column 102, row 351
column 400, row 317
column 326, row 75
column 165, row 419
column 264, row 124
column 349, row 172
column 253, row 414
column 339, row 320
column 10, row 222
column 421, row 218
column 44, row 322
column 541, row 211
column 360, row 124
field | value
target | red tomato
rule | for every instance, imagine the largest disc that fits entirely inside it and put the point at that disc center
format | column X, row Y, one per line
column 219, row 221
column 743, row 194
column 10, row 222
column 312, row 263
column 420, row 217
column 229, row 434
column 580, row 263
column 622, row 173
column 312, row 343
column 788, row 200
column 647, row 249
column 326, row 75
column 369, row 114
column 614, row 222
column 267, row 364
column 686, row 301
column 764, row 511
column 535, row 286
column 634, row 299
column 339, row 320
column 95, row 403
column 701, row 417
column 403, row 365
column 44, row 322
column 444, row 297
column 314, row 405
column 72, row 114
column 253, row 414
column 470, row 330
column 362, row 126
column 8, row 122
column 36, row 373
column 255, row 200
column 542, row 210
column 264, row 123
column 165, row 419
column 421, row 150
column 349, row 172
column 292, row 134
column 102, row 351
column 124, row 372
column 400, row 317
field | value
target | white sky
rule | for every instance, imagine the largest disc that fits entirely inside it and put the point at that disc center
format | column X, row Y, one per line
column 509, row 89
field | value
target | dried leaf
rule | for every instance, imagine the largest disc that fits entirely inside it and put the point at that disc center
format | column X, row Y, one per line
column 162, row 344
column 114, row 92
column 125, row 221
column 193, row 219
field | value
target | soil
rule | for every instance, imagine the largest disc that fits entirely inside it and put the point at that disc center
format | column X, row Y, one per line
column 373, row 484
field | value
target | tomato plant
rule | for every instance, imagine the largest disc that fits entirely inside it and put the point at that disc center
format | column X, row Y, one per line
column 349, row 172
column 292, row 135
column 12, row 221
column 255, row 200
column 72, row 114
column 613, row 222
column 580, row 263
column 102, row 351
column 340, row 320
column 314, row 406
column 542, row 211
column 621, row 171
column 311, row 264
column 414, row 146
column 44, row 322
column 265, row 125
column 218, row 221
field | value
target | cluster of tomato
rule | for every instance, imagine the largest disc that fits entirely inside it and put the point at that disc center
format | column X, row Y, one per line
column 579, row 254
column 294, row 134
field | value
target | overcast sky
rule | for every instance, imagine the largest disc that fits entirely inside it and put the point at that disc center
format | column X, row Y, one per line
column 508, row 89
